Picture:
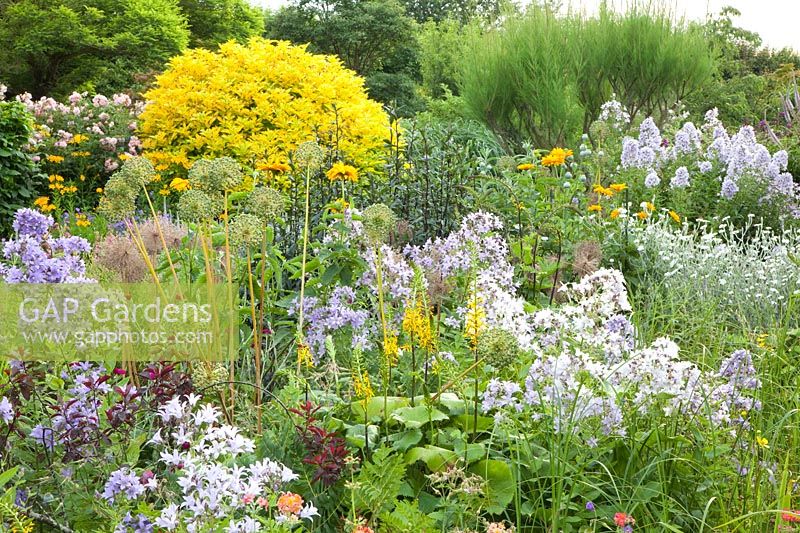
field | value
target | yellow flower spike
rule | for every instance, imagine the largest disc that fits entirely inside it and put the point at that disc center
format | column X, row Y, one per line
column 594, row 208
column 391, row 350
column 416, row 323
column 475, row 320
column 304, row 357
column 362, row 387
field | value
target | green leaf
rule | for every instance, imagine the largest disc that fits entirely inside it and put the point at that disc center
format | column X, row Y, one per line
column 355, row 435
column 434, row 457
column 500, row 483
column 375, row 407
column 405, row 440
column 134, row 448
column 8, row 475
column 416, row 417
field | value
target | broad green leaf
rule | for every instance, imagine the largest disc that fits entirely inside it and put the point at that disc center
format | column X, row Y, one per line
column 500, row 483
column 416, row 417
column 435, row 458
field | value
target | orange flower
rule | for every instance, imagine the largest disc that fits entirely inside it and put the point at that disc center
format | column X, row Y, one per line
column 603, row 191
column 595, row 208
column 617, row 187
column 525, row 166
column 556, row 157
column 341, row 172
column 642, row 215
column 275, row 166
column 290, row 503
column 614, row 213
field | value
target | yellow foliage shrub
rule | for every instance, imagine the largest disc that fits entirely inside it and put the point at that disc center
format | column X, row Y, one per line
column 257, row 103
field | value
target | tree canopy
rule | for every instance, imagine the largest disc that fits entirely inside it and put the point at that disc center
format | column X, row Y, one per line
column 56, row 46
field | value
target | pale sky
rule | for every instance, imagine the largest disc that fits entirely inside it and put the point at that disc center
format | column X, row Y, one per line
column 777, row 21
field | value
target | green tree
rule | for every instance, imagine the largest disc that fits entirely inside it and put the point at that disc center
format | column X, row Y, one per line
column 375, row 38
column 443, row 46
column 462, row 11
column 56, row 46
column 216, row 21
column 741, row 87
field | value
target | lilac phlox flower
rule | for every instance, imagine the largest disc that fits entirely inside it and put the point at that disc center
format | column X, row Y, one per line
column 136, row 524
column 652, row 179
column 681, row 178
column 396, row 273
column 729, row 189
column 649, row 134
column 739, row 370
column 340, row 312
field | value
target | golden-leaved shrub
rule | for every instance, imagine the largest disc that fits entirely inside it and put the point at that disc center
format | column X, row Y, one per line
column 257, row 103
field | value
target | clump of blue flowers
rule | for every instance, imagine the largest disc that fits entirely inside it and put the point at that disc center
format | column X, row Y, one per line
column 35, row 255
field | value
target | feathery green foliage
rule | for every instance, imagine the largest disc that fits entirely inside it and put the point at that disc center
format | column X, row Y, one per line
column 543, row 77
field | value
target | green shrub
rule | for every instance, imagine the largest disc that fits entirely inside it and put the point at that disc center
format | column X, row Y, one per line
column 543, row 77
column 17, row 171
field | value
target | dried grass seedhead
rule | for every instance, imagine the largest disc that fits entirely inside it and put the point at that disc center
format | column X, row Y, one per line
column 119, row 254
column 402, row 234
column 586, row 258
column 151, row 237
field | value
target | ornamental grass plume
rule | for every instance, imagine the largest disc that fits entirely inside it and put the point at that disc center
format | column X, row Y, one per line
column 120, row 255
column 586, row 257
